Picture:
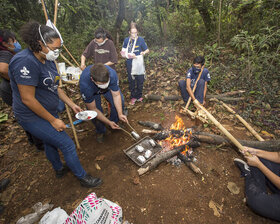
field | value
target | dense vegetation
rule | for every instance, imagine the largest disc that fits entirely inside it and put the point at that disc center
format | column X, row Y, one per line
column 239, row 38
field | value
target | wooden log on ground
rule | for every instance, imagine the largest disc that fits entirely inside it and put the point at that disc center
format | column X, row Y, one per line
column 160, row 158
column 194, row 115
column 177, row 98
column 189, row 164
column 273, row 145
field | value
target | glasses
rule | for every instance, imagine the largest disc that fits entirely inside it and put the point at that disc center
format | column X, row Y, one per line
column 58, row 50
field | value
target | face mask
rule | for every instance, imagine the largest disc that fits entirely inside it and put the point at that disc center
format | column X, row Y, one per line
column 17, row 47
column 51, row 55
column 100, row 44
column 133, row 36
column 104, row 86
column 196, row 70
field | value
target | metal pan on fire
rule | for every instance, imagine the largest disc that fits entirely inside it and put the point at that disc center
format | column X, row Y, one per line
column 143, row 150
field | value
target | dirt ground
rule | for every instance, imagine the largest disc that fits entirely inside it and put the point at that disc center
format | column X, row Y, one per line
column 167, row 195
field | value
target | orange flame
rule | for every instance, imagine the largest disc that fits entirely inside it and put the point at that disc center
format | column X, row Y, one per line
column 173, row 140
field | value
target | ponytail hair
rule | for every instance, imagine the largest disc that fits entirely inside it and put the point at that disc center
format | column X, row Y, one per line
column 102, row 33
column 30, row 34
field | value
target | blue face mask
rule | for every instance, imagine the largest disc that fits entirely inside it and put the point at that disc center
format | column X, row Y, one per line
column 17, row 47
column 196, row 70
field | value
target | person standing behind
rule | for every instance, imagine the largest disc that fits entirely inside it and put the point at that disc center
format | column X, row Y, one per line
column 186, row 86
column 34, row 81
column 101, row 49
column 134, row 48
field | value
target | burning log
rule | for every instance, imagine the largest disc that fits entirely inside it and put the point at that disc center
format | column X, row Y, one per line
column 190, row 164
column 272, row 146
column 161, row 158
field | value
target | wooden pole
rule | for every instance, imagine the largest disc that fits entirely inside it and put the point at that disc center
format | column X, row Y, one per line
column 189, row 101
column 221, row 127
column 71, row 55
column 248, row 126
column 44, row 9
column 66, row 60
column 55, row 12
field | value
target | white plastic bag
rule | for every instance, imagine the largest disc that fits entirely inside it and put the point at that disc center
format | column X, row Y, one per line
column 96, row 210
column 56, row 216
column 138, row 66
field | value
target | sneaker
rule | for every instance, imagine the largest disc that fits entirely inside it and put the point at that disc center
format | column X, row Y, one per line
column 60, row 173
column 89, row 181
column 132, row 101
column 243, row 166
column 100, row 138
column 140, row 99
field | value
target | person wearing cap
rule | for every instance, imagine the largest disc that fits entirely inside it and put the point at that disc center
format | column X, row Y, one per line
column 97, row 80
column 34, row 81
column 186, row 86
column 101, row 49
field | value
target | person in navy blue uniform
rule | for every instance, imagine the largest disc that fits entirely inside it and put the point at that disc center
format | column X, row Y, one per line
column 97, row 80
column 187, row 85
column 134, row 48
column 34, row 81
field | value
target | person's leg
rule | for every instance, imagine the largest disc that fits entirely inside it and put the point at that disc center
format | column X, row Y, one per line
column 53, row 140
column 131, row 80
column 6, row 92
column 100, row 127
column 183, row 89
column 258, row 199
column 61, row 106
column 139, row 85
column 199, row 92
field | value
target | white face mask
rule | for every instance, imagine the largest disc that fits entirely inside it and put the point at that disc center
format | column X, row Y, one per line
column 51, row 55
column 100, row 44
column 104, row 86
column 133, row 36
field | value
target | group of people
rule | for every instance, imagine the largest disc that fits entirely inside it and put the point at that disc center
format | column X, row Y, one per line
column 30, row 83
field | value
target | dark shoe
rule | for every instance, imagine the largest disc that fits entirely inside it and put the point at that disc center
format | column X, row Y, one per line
column 89, row 181
column 100, row 138
column 1, row 209
column 40, row 147
column 243, row 166
column 3, row 184
column 60, row 173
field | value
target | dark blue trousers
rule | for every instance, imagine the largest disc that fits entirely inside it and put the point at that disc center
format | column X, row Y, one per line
column 199, row 91
column 256, row 189
column 99, row 125
column 136, row 82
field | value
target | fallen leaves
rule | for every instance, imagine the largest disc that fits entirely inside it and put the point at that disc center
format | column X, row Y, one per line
column 216, row 208
column 232, row 187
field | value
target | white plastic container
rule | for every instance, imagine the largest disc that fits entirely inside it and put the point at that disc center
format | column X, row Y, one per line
column 139, row 148
column 141, row 159
column 148, row 154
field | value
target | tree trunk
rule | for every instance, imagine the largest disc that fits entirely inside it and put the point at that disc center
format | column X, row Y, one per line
column 273, row 145
column 202, row 8
column 119, row 20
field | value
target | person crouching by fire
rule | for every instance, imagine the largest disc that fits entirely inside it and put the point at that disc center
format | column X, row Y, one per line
column 186, row 86
column 97, row 80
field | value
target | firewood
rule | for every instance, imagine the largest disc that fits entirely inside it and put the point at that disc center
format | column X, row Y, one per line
column 161, row 158
column 273, row 145
column 189, row 164
column 193, row 115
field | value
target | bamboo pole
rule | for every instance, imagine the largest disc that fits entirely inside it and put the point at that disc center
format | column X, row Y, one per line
column 248, row 126
column 60, row 84
column 44, row 9
column 55, row 12
column 189, row 101
column 221, row 127
column 65, row 59
column 71, row 55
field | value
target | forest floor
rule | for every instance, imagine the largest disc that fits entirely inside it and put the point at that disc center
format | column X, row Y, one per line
column 168, row 194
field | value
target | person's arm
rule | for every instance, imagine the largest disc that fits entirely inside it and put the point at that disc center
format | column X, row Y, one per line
column 254, row 161
column 100, row 115
column 204, row 94
column 271, row 156
column 109, row 63
column 4, row 68
column 118, row 104
column 27, row 94
column 145, row 52
column 189, row 89
column 83, row 62
column 68, row 101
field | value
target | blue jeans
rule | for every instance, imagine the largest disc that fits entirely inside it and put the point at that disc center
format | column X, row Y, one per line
column 258, row 199
column 136, row 82
column 54, row 140
column 199, row 91
column 99, row 125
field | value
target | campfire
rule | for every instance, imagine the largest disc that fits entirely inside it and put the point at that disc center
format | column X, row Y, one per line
column 178, row 135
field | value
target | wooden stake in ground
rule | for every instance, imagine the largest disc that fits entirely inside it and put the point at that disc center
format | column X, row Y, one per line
column 221, row 127
column 248, row 126
column 189, row 101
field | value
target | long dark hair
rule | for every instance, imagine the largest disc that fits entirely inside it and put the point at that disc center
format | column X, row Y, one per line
column 31, row 36
column 5, row 35
column 102, row 33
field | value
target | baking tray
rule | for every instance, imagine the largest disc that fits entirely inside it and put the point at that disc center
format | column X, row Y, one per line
column 132, row 153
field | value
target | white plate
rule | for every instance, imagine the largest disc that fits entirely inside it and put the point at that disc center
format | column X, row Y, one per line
column 86, row 115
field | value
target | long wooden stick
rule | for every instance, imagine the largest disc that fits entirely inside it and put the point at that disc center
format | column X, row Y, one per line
column 221, row 127
column 55, row 12
column 189, row 101
column 66, row 60
column 248, row 126
column 71, row 55
column 44, row 9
